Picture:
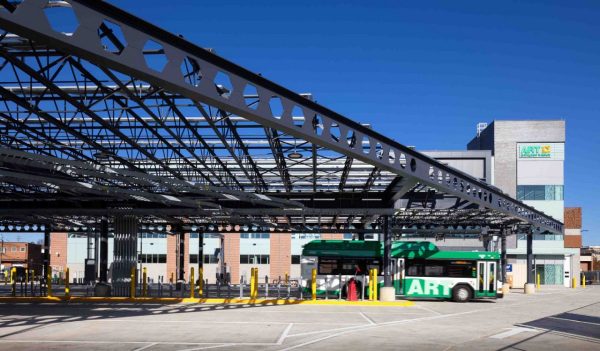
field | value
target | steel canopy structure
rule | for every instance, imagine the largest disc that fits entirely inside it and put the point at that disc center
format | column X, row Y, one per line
column 116, row 116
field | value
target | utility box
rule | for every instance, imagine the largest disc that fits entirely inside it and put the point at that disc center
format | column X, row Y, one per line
column 90, row 271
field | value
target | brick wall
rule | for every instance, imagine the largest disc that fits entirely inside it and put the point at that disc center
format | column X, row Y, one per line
column 573, row 241
column 573, row 217
column 232, row 255
column 171, row 258
column 58, row 251
column 573, row 227
column 280, row 251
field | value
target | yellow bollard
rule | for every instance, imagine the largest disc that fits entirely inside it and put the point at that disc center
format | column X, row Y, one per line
column 13, row 281
column 132, row 283
column 538, row 280
column 200, row 282
column 171, row 279
column 192, row 283
column 287, row 278
column 574, row 282
column 370, row 285
column 67, row 287
column 582, row 280
column 251, row 281
column 49, row 282
column 144, row 282
column 375, row 284
column 313, row 284
column 26, row 276
column 255, row 283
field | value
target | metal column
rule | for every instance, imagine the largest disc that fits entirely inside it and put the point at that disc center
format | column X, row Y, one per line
column 125, row 253
column 530, row 272
column 387, row 253
column 181, row 272
column 46, row 267
column 103, row 267
column 503, row 263
column 96, row 252
column 200, row 249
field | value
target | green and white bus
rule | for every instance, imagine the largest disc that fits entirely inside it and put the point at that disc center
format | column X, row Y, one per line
column 420, row 269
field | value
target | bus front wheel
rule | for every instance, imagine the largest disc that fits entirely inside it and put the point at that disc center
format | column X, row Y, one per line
column 461, row 293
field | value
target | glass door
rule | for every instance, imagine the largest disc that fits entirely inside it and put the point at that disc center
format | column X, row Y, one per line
column 398, row 274
column 486, row 285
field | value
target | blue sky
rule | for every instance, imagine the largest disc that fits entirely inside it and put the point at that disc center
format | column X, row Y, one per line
column 423, row 73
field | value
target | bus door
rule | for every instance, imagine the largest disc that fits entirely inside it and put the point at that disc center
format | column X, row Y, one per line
column 398, row 274
column 486, row 285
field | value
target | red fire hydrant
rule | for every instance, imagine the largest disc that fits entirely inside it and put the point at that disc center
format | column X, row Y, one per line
column 352, row 294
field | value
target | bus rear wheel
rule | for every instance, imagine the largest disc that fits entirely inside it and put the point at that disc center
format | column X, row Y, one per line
column 461, row 293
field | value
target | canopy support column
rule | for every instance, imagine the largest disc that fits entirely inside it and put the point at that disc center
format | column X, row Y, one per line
column 387, row 292
column 387, row 253
column 103, row 267
column 200, row 249
column 181, row 270
column 503, row 259
column 46, row 266
column 530, row 286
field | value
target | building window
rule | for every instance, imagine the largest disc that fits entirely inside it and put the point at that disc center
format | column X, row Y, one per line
column 23, row 249
column 306, row 236
column 206, row 258
column 255, row 235
column 13, row 249
column 295, row 259
column 541, row 237
column 211, row 259
column 154, row 235
column 152, row 258
column 348, row 236
column 254, row 259
column 540, row 192
column 196, row 235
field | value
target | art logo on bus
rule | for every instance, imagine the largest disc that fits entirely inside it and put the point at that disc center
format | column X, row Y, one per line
column 427, row 288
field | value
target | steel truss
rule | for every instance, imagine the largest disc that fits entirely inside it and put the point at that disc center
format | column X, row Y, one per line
column 99, row 95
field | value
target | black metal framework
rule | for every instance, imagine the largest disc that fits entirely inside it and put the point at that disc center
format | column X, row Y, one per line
column 91, row 124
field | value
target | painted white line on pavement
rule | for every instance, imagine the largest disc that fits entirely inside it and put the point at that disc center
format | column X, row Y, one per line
column 285, row 333
column 371, row 322
column 568, row 335
column 511, row 332
column 207, row 347
column 428, row 309
column 199, row 321
column 573, row 320
column 145, row 347
column 352, row 329
column 90, row 342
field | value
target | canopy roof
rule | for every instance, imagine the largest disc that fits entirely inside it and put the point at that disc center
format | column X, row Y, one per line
column 117, row 116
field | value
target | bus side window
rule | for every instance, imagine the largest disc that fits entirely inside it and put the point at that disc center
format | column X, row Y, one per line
column 414, row 269
column 328, row 266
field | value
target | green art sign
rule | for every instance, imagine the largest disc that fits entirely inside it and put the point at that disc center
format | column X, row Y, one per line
column 535, row 151
column 427, row 287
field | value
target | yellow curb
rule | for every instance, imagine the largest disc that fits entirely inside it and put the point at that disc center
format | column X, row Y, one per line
column 235, row 301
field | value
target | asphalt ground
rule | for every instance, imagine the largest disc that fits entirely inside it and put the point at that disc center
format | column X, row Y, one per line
column 552, row 319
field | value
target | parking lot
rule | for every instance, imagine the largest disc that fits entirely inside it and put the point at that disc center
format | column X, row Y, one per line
column 555, row 318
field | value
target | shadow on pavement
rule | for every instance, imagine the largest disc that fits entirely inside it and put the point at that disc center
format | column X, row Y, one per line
column 37, row 315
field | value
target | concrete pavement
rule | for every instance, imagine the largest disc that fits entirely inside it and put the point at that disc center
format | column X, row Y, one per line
column 552, row 319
